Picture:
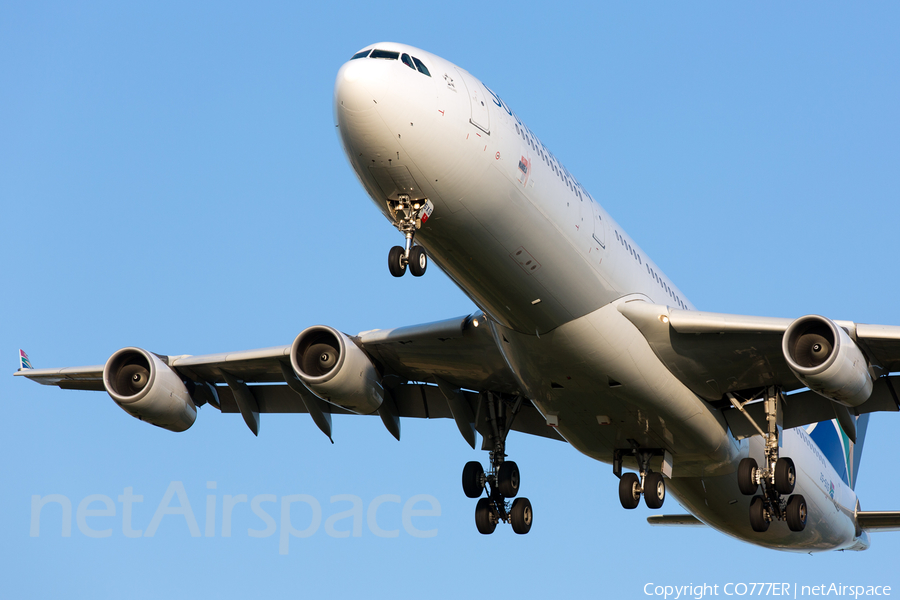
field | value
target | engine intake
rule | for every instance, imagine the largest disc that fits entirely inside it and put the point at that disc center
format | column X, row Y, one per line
column 336, row 370
column 146, row 388
column 826, row 360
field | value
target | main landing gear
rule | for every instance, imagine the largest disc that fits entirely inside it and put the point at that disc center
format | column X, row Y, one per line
column 501, row 483
column 408, row 216
column 777, row 477
column 649, row 484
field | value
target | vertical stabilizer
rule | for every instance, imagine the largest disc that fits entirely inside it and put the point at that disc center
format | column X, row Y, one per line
column 835, row 444
column 862, row 424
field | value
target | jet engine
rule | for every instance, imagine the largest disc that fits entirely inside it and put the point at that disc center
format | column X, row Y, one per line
column 825, row 359
column 336, row 370
column 146, row 388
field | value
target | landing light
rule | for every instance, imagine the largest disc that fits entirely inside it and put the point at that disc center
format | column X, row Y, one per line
column 474, row 322
column 663, row 318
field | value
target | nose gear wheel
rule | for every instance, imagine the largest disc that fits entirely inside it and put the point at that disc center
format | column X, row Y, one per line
column 407, row 215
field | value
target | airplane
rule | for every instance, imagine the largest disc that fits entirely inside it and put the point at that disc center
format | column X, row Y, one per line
column 755, row 425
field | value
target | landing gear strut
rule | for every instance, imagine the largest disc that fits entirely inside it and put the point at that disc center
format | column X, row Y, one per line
column 408, row 216
column 776, row 477
column 501, row 483
column 649, row 484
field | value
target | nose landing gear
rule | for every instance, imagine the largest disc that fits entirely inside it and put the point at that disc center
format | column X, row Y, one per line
column 777, row 477
column 502, row 482
column 408, row 216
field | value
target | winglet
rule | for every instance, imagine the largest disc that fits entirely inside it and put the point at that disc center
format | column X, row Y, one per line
column 24, row 363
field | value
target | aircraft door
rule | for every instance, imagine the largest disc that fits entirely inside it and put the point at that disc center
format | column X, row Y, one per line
column 479, row 101
column 599, row 233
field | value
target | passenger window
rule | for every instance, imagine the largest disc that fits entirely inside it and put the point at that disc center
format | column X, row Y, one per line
column 362, row 54
column 422, row 68
column 407, row 61
column 385, row 54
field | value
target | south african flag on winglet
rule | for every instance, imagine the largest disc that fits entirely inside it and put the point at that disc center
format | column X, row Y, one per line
column 23, row 360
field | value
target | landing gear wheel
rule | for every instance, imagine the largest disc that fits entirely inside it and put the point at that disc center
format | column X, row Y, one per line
column 758, row 514
column 418, row 261
column 629, row 490
column 395, row 261
column 796, row 513
column 484, row 517
column 472, row 476
column 520, row 516
column 508, row 479
column 654, row 490
column 785, row 476
column 746, row 476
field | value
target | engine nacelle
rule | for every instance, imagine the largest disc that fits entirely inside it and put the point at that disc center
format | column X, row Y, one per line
column 145, row 387
column 336, row 370
column 827, row 361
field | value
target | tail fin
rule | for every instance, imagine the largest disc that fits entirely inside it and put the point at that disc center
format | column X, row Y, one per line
column 861, row 424
column 24, row 363
column 834, row 443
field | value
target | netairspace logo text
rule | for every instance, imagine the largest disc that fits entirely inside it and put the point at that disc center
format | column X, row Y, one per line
column 305, row 521
column 791, row 590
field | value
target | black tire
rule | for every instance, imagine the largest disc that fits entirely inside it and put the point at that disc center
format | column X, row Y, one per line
column 418, row 261
column 471, row 479
column 508, row 479
column 746, row 476
column 395, row 261
column 484, row 517
column 654, row 490
column 629, row 490
column 785, row 476
column 796, row 513
column 758, row 514
column 520, row 516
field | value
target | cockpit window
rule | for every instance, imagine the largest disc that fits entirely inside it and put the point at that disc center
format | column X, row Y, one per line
column 362, row 54
column 385, row 54
column 422, row 68
column 407, row 61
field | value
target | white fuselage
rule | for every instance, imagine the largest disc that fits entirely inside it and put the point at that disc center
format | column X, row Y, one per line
column 549, row 267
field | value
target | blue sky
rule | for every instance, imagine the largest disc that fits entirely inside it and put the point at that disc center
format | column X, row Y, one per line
column 171, row 178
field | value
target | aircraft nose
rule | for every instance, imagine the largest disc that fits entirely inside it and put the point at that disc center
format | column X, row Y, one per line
column 383, row 108
column 357, row 86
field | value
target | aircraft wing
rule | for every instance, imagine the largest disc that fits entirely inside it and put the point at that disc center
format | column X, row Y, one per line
column 717, row 354
column 412, row 360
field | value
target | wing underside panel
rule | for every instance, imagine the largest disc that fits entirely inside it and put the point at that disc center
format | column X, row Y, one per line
column 413, row 400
